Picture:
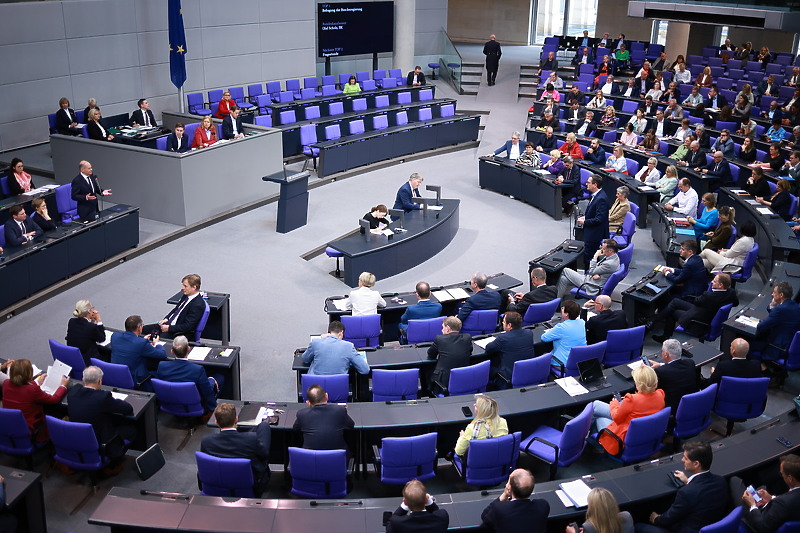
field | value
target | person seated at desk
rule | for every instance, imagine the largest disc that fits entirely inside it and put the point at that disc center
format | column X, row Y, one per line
column 96, row 130
column 322, row 424
column 576, row 111
column 570, row 174
column 775, row 133
column 691, row 279
column 205, row 135
column 620, row 208
column 685, row 202
column 666, row 184
column 330, row 354
column 571, row 147
column 549, row 64
column 424, row 308
column 649, row 142
column 661, row 127
column 40, row 215
column 629, row 90
column 574, row 95
column 415, row 77
column 8, row 522
column 773, row 112
column 365, row 300
column 529, row 158
column 780, row 202
column 608, row 87
column 776, row 331
column 177, row 141
column 616, row 416
column 143, row 116
column 603, row 515
column 66, row 119
column 648, row 174
column 451, row 349
column 232, row 124
column 225, row 105
column 738, row 366
column 775, row 158
column 181, row 370
column 554, row 165
column 794, row 79
column 604, row 263
column 697, row 315
column 187, row 313
column 584, row 56
column 649, row 107
column 655, row 93
column 540, row 293
column 549, row 105
column 571, row 331
column 629, row 137
column 792, row 167
column 609, row 118
column 352, row 86
column 549, row 120
column 598, row 102
column 721, row 234
column 717, row 261
column 748, row 154
column 487, row 424
column 18, row 230
column 547, row 143
column 605, row 68
column 743, row 107
column 481, row 299
column 604, row 320
column 230, row 443
column 513, row 511
column 695, row 98
column 709, row 217
column 595, row 153
column 19, row 181
column 675, row 112
column 20, row 391
column 793, row 142
column 90, row 104
column 129, row 348
column 85, row 330
column 773, row 512
column 704, row 79
column 672, row 92
column 90, row 404
column 638, row 121
column 617, row 161
column 512, row 148
column 550, row 92
column 512, row 345
column 682, row 75
column 418, row 512
column 621, row 57
column 377, row 219
column 407, row 192
column 556, row 82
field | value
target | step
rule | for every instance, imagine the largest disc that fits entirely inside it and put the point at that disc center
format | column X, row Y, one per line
column 469, row 91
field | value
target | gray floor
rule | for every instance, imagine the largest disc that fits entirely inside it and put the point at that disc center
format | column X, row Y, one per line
column 277, row 297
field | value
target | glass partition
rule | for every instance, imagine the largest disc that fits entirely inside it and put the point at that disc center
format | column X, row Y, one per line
column 450, row 62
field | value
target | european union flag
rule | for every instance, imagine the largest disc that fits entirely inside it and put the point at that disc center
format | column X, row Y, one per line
column 177, row 44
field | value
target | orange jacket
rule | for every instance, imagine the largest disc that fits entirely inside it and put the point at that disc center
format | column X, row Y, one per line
column 633, row 406
column 575, row 151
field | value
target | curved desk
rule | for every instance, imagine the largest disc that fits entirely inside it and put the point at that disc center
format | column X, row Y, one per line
column 424, row 237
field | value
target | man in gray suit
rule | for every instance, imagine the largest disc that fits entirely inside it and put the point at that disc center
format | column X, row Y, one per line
column 604, row 263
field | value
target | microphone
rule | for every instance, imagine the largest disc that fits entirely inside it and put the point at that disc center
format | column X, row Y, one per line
column 99, row 194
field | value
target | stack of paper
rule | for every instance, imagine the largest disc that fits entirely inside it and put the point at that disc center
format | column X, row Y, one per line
column 764, row 210
column 571, row 386
column 748, row 321
column 199, row 353
column 577, row 491
column 119, row 396
column 483, row 342
column 446, row 295
column 645, row 188
column 54, row 374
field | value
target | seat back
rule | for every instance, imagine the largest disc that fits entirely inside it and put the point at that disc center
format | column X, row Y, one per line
column 198, row 332
column 263, row 120
column 610, row 136
column 425, row 113
column 67, row 207
column 404, row 98
column 624, row 345
column 447, row 110
column 311, row 112
column 75, row 443
column 51, row 121
column 537, row 313
column 344, row 77
column 115, row 375
column 214, row 96
column 694, row 412
column 196, row 104
column 307, row 93
column 288, row 117
column 310, row 82
column 318, row 473
column 407, row 458
column 356, row 127
column 273, row 89
column 397, row 74
column 792, row 361
column 15, row 437
column 360, row 104
column 722, row 314
column 285, row 97
column 633, row 166
column 388, row 83
column 480, row 322
column 368, row 85
column 382, row 100
column 425, row 94
column 789, row 527
column 237, row 94
column 308, row 134
column 332, row 132
column 490, row 461
column 161, row 143
column 747, row 266
column 179, row 399
column 628, row 229
column 573, row 437
column 741, row 398
column 336, row 385
column 380, row 122
column 329, row 90
column 527, row 372
column 625, row 256
column 401, row 118
column 424, row 329
column 362, row 76
column 613, row 281
column 335, row 108
column 69, row 355
column 584, row 353
column 362, row 330
column 255, row 90
column 394, row 385
column 293, row 86
column 729, row 524
column 644, row 436
column 219, row 476
column 469, row 379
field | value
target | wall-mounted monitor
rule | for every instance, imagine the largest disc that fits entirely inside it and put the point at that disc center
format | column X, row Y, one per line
column 354, row 28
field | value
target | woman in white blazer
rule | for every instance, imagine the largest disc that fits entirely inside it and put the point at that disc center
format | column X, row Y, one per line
column 735, row 256
column 365, row 300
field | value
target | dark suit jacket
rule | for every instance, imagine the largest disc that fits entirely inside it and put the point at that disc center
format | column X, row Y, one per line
column 95, row 132
column 677, row 379
column 649, row 110
column 137, row 117
column 182, row 371
column 705, row 307
column 553, row 123
column 480, row 300
column 189, row 318
column 507, row 148
column 424, row 309
column 172, row 143
column 736, row 368
column 701, row 502
column 451, row 351
column 723, row 172
column 84, row 336
column 572, row 176
column 46, row 225
column 778, row 329
column 721, row 102
column 13, row 233
column 762, row 89
column 598, row 326
column 695, row 159
column 595, row 225
column 227, row 126
column 540, row 294
column 511, row 346
column 63, row 122
column 693, row 275
column 87, row 209
column 97, row 407
column 548, row 144
column 14, row 186
column 403, row 199
column 590, row 128
column 253, row 445
column 658, row 64
column 129, row 349
column 517, row 516
column 410, row 78
column 669, row 127
column 431, row 520
column 780, row 509
column 323, row 426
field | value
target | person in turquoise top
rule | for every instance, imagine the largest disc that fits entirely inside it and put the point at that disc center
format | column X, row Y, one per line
column 352, row 86
column 709, row 218
column 571, row 331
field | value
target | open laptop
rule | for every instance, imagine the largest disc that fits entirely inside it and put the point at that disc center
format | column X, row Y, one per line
column 591, row 375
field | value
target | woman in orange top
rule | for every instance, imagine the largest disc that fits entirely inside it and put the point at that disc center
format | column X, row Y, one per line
column 21, row 392
column 571, row 147
column 617, row 416
column 225, row 105
column 206, row 134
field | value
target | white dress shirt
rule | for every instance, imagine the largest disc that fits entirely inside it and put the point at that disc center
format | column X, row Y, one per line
column 685, row 203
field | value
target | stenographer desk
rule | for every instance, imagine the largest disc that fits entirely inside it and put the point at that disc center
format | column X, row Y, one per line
column 638, row 304
column 65, row 251
column 504, row 176
column 425, row 236
column 667, row 236
column 25, row 498
column 565, row 255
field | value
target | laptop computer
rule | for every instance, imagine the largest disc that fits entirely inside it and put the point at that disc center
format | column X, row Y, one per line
column 591, row 375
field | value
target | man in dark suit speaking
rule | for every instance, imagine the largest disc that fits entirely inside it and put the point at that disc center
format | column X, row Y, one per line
column 513, row 511
column 406, row 194
column 185, row 316
column 595, row 221
column 85, row 189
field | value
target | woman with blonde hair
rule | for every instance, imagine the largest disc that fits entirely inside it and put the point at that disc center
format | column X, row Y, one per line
column 487, row 424
column 554, row 164
column 603, row 515
column 365, row 300
column 85, row 329
column 667, row 183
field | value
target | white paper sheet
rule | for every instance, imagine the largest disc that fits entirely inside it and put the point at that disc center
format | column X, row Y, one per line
column 55, row 372
column 199, row 353
column 577, row 491
column 571, row 386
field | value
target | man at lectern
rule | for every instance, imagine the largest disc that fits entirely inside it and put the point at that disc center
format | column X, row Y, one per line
column 406, row 194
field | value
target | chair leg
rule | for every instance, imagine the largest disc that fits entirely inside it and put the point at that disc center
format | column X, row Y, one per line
column 729, row 428
column 338, row 270
column 85, row 500
column 186, row 438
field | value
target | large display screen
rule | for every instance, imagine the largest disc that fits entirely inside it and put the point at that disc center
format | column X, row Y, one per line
column 352, row 28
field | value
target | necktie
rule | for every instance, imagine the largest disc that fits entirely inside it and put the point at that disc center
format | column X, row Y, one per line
column 716, row 168
column 91, row 185
column 416, row 193
column 22, row 228
column 146, row 118
column 177, row 311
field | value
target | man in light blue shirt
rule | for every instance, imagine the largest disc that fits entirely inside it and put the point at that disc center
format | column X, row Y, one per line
column 330, row 354
column 571, row 331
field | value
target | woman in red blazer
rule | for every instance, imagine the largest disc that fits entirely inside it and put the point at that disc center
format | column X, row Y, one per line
column 571, row 147
column 206, row 134
column 225, row 105
column 21, row 392
column 647, row 400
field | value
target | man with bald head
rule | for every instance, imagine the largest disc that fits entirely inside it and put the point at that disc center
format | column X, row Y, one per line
column 492, row 52
column 739, row 366
column 85, row 189
column 604, row 320
column 513, row 511
column 481, row 298
column 418, row 513
column 718, row 168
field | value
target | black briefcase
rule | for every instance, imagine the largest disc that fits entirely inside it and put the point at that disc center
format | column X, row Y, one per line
column 150, row 461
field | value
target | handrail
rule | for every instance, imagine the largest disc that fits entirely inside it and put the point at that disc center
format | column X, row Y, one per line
column 450, row 62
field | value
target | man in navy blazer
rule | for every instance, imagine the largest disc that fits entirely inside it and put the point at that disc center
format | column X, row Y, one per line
column 186, row 315
column 181, row 370
column 18, row 230
column 481, row 298
column 701, row 501
column 424, row 308
column 695, row 316
column 177, row 141
column 774, row 511
column 514, row 344
column 513, row 511
column 513, row 148
column 85, row 189
column 452, row 349
column 406, row 194
column 322, row 424
column 539, row 293
column 718, row 168
column 738, row 366
column 604, row 320
column 715, row 100
column 418, row 513
column 692, row 278
column 595, row 221
column 775, row 333
column 228, row 123
column 132, row 350
column 230, row 443
column 677, row 376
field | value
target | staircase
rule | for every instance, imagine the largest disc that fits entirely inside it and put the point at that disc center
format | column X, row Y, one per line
column 471, row 77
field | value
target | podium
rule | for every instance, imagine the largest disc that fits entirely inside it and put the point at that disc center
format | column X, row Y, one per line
column 293, row 201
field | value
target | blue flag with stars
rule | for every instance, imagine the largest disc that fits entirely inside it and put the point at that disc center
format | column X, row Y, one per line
column 177, row 44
